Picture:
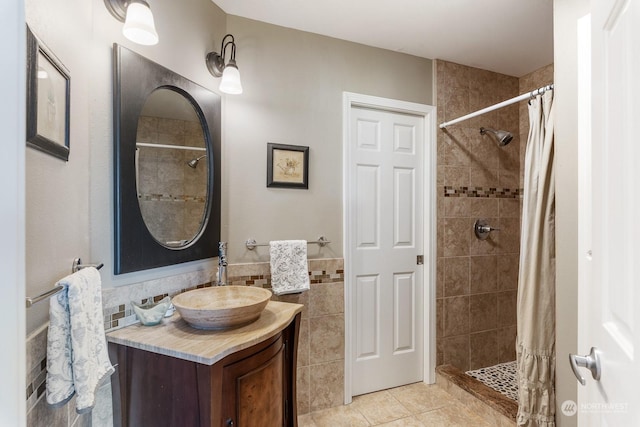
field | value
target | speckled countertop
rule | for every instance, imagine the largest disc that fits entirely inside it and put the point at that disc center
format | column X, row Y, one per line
column 174, row 337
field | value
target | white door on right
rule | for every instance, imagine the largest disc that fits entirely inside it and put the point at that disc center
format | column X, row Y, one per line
column 609, row 310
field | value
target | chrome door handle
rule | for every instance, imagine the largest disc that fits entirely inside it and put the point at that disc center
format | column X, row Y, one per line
column 591, row 362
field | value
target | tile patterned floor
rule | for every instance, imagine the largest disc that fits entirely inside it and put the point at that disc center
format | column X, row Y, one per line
column 414, row 405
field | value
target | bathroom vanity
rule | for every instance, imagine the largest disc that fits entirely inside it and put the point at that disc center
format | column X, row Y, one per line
column 174, row 375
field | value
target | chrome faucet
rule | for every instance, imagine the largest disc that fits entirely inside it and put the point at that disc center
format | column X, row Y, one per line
column 222, row 264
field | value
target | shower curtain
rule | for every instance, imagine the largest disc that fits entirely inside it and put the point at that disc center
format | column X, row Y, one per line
column 535, row 343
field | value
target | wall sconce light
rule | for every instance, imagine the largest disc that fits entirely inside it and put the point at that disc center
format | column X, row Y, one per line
column 230, row 82
column 138, row 20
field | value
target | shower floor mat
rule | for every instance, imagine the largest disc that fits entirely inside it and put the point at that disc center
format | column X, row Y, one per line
column 502, row 377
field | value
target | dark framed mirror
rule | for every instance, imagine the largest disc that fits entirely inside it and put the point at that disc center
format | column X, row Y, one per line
column 167, row 166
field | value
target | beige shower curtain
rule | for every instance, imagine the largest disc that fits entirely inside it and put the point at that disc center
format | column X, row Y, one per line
column 535, row 344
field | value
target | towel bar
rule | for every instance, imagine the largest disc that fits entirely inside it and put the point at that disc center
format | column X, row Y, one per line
column 77, row 265
column 322, row 242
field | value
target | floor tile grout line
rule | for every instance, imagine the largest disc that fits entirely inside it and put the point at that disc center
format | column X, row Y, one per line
column 365, row 417
column 400, row 403
column 413, row 413
column 432, row 409
column 388, row 391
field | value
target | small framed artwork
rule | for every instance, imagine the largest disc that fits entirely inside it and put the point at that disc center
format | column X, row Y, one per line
column 287, row 166
column 47, row 100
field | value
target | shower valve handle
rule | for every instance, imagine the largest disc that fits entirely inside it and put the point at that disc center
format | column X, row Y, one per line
column 590, row 361
column 482, row 229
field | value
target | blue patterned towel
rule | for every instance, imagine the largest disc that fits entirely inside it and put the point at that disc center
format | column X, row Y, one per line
column 77, row 357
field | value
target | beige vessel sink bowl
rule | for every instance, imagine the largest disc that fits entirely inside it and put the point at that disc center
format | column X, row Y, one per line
column 221, row 307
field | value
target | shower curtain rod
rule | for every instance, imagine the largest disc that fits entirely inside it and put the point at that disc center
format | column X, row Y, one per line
column 519, row 98
column 174, row 147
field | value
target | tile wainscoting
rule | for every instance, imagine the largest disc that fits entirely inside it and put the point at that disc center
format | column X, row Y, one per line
column 39, row 412
column 320, row 382
column 321, row 345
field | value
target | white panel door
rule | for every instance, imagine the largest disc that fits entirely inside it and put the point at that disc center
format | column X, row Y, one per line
column 610, row 254
column 386, row 223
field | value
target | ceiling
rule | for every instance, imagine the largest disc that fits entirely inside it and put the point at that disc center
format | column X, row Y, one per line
column 512, row 37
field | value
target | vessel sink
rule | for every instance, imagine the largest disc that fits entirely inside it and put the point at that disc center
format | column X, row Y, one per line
column 222, row 307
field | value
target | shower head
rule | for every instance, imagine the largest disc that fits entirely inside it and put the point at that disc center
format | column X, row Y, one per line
column 193, row 163
column 502, row 136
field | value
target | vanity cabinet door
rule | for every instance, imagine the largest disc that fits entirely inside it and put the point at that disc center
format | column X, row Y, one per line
column 254, row 390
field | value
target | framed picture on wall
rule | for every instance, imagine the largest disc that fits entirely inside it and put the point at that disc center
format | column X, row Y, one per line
column 48, row 93
column 287, row 166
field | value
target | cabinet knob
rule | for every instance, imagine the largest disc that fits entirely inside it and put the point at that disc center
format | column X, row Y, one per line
column 230, row 422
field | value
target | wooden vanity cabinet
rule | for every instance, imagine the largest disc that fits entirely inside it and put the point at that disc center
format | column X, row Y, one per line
column 254, row 387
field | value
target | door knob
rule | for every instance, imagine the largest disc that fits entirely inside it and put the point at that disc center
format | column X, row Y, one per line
column 590, row 361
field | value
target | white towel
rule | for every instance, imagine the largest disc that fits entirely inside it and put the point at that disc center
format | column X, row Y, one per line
column 77, row 357
column 289, row 270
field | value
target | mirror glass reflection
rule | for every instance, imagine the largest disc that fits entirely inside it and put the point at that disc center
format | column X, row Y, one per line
column 171, row 169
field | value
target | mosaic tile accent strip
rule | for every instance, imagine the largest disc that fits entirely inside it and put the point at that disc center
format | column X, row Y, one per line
column 171, row 198
column 36, row 383
column 264, row 280
column 36, row 364
column 491, row 192
column 502, row 377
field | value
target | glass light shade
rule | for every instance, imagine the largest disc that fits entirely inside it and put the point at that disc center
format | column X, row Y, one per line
column 139, row 26
column 231, row 80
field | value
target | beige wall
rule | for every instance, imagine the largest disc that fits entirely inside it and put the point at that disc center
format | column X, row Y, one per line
column 477, row 280
column 57, row 192
column 293, row 83
column 566, row 14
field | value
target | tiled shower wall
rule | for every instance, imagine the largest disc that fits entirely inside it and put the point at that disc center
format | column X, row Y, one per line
column 170, row 193
column 320, row 382
column 476, row 280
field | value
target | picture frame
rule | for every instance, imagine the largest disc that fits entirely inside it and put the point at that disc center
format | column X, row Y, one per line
column 287, row 166
column 48, row 100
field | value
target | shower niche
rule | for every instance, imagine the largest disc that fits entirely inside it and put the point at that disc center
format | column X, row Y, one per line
column 167, row 166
